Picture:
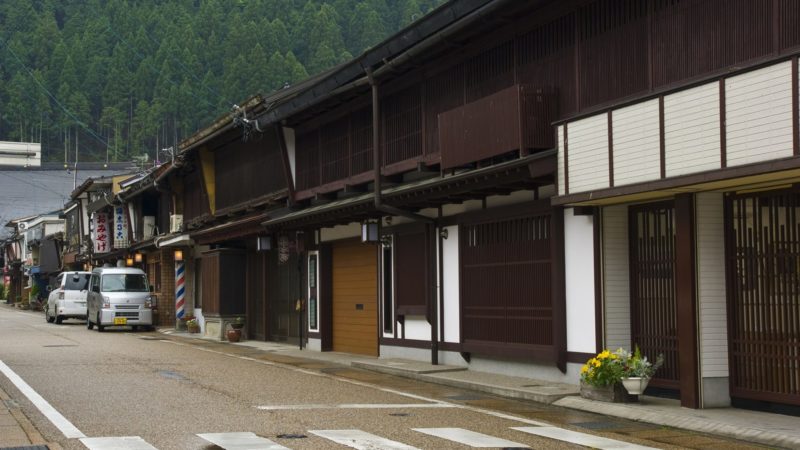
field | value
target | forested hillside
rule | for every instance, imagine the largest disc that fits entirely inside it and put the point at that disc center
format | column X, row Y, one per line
column 121, row 78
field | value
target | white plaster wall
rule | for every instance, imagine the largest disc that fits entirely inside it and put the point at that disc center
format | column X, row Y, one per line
column 588, row 154
column 616, row 277
column 711, row 285
column 637, row 143
column 560, row 174
column 450, row 273
column 288, row 137
column 350, row 230
column 692, row 130
column 758, row 112
column 579, row 272
column 417, row 328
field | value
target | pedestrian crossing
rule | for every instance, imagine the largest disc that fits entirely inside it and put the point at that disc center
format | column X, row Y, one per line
column 363, row 440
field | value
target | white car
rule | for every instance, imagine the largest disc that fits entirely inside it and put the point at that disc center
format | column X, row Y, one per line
column 67, row 299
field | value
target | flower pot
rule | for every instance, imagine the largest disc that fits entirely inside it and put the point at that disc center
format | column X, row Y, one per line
column 612, row 393
column 635, row 385
column 234, row 335
column 193, row 328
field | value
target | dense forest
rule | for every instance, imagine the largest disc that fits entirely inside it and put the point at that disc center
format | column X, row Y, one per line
column 119, row 79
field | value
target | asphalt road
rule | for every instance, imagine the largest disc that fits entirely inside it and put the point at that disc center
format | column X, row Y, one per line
column 166, row 391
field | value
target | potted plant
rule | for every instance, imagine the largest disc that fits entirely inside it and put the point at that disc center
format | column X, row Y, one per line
column 601, row 376
column 235, row 333
column 192, row 325
column 637, row 370
column 185, row 320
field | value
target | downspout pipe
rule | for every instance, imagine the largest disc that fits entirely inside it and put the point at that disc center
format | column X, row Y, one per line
column 377, row 163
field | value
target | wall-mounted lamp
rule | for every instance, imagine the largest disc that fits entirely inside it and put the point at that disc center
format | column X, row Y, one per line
column 178, row 255
column 370, row 231
column 264, row 243
column 129, row 261
column 137, row 257
column 443, row 233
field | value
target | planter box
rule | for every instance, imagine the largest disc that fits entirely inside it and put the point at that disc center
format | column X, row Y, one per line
column 612, row 393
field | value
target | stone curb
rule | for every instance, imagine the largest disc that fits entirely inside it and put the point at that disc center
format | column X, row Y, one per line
column 755, row 435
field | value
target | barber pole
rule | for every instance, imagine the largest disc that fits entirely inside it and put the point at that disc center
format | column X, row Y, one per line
column 180, row 289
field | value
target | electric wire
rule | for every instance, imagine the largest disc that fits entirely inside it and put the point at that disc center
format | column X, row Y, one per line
column 53, row 97
column 191, row 73
column 158, row 71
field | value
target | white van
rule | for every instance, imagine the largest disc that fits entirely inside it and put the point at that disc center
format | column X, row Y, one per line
column 67, row 298
column 119, row 296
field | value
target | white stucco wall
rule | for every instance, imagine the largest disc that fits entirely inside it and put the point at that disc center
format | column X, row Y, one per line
column 579, row 272
column 450, row 273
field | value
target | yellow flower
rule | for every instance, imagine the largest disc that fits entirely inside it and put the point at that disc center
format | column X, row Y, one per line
column 605, row 354
column 597, row 363
column 584, row 369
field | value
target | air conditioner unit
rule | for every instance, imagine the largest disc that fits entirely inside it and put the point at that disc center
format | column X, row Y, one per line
column 148, row 226
column 175, row 223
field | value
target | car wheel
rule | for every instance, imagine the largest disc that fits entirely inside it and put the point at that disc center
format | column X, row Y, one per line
column 59, row 319
column 89, row 324
column 47, row 315
column 100, row 327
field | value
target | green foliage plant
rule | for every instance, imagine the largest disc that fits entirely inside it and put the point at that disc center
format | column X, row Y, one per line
column 636, row 365
column 604, row 369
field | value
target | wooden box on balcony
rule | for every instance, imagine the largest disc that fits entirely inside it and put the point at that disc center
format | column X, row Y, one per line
column 516, row 118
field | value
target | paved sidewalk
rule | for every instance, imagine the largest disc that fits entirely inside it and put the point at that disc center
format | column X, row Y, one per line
column 15, row 429
column 752, row 426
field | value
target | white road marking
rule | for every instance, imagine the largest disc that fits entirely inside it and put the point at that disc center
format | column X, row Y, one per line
column 241, row 441
column 65, row 426
column 368, row 385
column 470, row 438
column 117, row 443
column 584, row 439
column 354, row 406
column 361, row 440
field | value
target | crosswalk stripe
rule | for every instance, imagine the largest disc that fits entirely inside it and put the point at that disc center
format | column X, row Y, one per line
column 361, row 440
column 470, row 438
column 584, row 439
column 241, row 441
column 117, row 443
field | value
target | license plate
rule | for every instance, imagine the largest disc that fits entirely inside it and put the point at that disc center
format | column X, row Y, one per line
column 120, row 320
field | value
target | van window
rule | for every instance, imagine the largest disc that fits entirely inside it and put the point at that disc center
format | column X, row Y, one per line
column 76, row 281
column 122, row 282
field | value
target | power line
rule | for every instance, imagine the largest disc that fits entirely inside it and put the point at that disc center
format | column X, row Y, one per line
column 156, row 70
column 50, row 94
column 190, row 72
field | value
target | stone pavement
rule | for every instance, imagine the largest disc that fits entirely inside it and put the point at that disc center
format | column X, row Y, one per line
column 758, row 427
column 16, row 431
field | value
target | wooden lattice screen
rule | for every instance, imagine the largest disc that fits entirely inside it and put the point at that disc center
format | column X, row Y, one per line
column 506, row 286
column 763, row 292
column 653, row 307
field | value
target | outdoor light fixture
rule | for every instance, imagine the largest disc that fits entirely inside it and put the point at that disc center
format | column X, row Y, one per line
column 370, row 231
column 264, row 243
column 129, row 261
column 443, row 233
column 178, row 255
column 137, row 257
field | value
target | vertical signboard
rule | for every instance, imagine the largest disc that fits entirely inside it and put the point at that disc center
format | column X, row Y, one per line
column 120, row 227
column 100, row 234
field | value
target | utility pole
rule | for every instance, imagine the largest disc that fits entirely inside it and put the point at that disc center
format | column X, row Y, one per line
column 75, row 172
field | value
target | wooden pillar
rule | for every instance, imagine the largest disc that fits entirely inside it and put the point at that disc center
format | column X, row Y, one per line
column 686, row 300
column 559, row 288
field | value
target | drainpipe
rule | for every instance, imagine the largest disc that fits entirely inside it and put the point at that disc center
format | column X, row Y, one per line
column 377, row 163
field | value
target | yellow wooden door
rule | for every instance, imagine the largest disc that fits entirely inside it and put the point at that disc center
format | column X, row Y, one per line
column 355, row 304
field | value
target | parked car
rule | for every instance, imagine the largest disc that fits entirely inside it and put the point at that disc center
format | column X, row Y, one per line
column 119, row 296
column 67, row 297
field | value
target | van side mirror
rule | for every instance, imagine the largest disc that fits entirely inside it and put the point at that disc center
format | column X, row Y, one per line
column 49, row 288
column 95, row 288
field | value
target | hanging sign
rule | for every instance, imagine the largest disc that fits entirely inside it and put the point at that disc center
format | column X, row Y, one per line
column 120, row 227
column 100, row 233
column 283, row 249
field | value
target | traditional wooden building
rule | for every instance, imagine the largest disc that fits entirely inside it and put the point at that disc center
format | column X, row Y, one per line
column 554, row 178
